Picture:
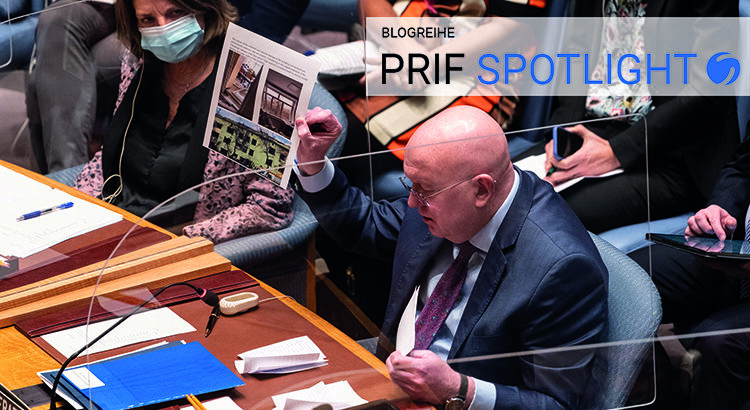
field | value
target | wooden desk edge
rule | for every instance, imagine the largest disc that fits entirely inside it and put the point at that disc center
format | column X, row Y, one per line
column 38, row 358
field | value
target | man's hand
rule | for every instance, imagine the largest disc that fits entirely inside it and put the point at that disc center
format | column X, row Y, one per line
column 425, row 377
column 317, row 132
column 713, row 220
column 595, row 157
column 716, row 221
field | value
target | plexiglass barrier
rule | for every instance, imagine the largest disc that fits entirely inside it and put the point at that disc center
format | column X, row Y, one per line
column 562, row 373
column 544, row 352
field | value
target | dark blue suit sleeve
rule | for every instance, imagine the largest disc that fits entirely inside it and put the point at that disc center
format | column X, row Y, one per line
column 354, row 221
column 732, row 190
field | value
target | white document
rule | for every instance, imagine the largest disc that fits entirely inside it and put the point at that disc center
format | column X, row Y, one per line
column 346, row 58
column 288, row 356
column 262, row 87
column 535, row 164
column 339, row 395
column 61, row 394
column 82, row 378
column 141, row 327
column 222, row 403
column 22, row 195
column 406, row 331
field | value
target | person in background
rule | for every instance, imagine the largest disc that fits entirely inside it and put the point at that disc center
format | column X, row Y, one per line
column 699, row 295
column 153, row 149
column 689, row 137
column 73, row 84
column 521, row 271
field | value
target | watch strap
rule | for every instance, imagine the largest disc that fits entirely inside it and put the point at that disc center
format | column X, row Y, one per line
column 458, row 402
column 463, row 388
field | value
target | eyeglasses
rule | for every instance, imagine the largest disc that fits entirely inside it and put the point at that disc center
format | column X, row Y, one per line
column 421, row 198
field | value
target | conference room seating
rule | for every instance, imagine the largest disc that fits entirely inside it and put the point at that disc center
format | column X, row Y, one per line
column 634, row 314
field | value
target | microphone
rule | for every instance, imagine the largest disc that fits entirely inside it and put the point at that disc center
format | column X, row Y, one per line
column 205, row 295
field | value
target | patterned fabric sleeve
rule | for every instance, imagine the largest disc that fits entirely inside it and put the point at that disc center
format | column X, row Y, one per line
column 129, row 64
column 90, row 179
column 239, row 205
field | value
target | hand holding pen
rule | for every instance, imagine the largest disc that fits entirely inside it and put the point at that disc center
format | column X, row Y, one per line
column 41, row 212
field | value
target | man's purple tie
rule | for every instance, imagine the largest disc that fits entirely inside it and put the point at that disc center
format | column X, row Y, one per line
column 442, row 298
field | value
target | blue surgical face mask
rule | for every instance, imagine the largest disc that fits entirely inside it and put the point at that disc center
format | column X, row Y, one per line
column 173, row 42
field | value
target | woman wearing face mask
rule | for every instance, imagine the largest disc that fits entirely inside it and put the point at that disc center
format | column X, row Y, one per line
column 154, row 148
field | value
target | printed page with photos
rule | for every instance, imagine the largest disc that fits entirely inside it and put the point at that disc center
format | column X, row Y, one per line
column 261, row 88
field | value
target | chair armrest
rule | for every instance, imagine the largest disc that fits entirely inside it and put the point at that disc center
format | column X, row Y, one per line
column 263, row 246
column 66, row 176
column 633, row 237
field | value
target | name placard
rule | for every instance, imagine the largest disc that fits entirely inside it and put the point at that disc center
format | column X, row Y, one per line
column 9, row 401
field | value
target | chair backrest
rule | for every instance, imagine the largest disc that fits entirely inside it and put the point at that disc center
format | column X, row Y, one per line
column 634, row 314
column 17, row 37
column 630, row 238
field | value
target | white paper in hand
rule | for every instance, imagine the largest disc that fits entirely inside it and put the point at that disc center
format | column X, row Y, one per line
column 406, row 332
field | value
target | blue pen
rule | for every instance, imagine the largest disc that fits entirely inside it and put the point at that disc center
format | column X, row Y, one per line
column 44, row 211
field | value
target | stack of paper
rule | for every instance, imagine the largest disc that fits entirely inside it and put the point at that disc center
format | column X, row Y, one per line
column 288, row 356
column 141, row 327
column 338, row 395
column 23, row 195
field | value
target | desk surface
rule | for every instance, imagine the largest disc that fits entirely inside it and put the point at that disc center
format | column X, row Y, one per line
column 22, row 358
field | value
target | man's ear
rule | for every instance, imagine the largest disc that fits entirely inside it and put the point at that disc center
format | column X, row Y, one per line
column 485, row 187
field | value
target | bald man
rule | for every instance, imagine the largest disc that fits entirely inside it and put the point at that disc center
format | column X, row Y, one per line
column 535, row 281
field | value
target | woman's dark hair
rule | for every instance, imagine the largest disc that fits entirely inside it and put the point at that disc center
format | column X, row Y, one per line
column 217, row 14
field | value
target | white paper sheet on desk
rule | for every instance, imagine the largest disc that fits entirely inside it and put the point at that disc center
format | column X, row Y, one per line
column 222, row 403
column 141, row 327
column 22, row 195
column 339, row 395
column 535, row 164
column 288, row 356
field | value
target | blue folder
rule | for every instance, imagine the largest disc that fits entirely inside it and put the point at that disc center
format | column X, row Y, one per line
column 158, row 376
column 68, row 388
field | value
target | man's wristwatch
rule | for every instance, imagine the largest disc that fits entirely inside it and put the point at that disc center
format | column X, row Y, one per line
column 457, row 402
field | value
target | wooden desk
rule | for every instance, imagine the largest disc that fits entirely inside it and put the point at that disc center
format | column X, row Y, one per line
column 22, row 358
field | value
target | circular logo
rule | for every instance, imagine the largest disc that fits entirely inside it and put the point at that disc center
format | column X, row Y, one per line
column 718, row 70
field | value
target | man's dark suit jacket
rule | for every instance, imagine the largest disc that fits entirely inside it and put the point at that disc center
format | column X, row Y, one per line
column 732, row 190
column 542, row 285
